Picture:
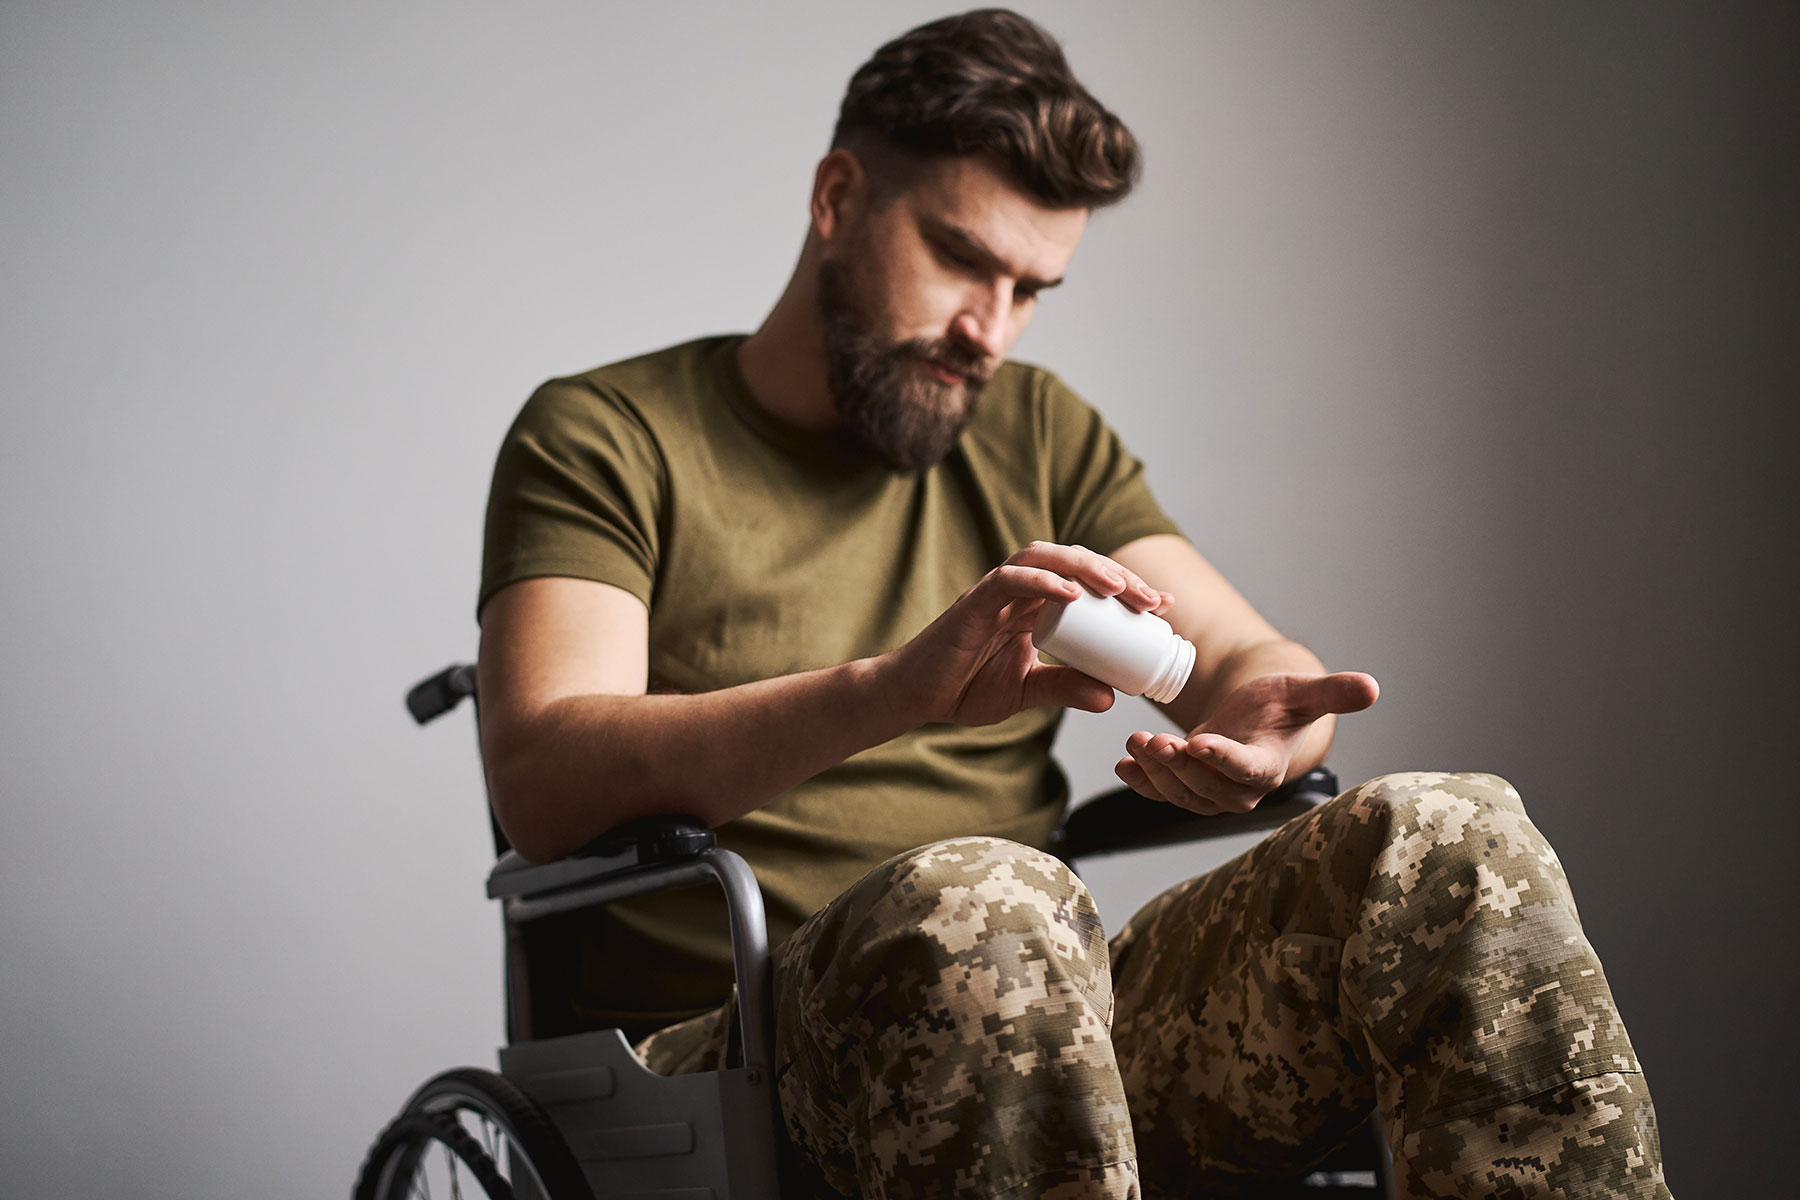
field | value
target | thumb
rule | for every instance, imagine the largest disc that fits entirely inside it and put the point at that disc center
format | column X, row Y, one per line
column 1343, row 692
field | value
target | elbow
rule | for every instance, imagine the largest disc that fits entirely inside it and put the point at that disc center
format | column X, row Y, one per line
column 520, row 814
column 535, row 848
column 554, row 788
column 545, row 818
column 524, row 835
column 527, row 787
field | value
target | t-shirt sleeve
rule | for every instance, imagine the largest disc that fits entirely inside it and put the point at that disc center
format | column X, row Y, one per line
column 1099, row 497
column 578, row 488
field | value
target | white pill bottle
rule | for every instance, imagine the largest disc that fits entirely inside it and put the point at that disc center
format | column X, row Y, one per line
column 1134, row 652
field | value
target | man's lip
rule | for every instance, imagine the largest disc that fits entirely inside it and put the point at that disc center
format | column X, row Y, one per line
column 945, row 372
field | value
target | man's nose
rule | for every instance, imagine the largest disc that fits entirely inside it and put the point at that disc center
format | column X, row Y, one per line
column 982, row 323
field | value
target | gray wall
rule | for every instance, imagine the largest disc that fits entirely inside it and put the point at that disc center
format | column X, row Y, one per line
column 1460, row 336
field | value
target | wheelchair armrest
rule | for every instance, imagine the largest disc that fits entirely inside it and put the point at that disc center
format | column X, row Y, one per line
column 653, row 855
column 653, row 841
column 1122, row 820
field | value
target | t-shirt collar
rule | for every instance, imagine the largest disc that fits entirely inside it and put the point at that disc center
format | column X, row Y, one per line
column 816, row 447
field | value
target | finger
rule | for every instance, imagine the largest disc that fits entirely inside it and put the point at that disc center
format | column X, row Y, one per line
column 1067, row 688
column 1141, row 597
column 1204, row 793
column 1140, row 769
column 1019, row 614
column 1343, row 692
column 1254, row 767
column 1098, row 573
column 1134, row 593
column 1193, row 771
column 1010, row 582
column 1132, row 776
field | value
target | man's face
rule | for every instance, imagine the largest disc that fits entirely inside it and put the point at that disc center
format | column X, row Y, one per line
column 923, row 296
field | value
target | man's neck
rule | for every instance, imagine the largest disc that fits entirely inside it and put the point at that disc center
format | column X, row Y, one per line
column 783, row 362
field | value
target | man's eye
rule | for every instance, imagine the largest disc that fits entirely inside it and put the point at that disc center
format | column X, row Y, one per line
column 961, row 262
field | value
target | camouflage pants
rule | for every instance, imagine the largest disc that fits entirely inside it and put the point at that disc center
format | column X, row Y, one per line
column 955, row 1024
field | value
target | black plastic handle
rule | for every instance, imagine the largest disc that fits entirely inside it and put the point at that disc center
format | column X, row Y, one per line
column 431, row 698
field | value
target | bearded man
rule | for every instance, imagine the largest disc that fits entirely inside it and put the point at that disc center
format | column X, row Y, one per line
column 787, row 583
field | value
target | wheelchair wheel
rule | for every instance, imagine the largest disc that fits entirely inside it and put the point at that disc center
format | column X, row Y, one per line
column 471, row 1133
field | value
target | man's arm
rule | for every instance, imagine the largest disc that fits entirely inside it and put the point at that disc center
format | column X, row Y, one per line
column 573, row 746
column 1258, row 708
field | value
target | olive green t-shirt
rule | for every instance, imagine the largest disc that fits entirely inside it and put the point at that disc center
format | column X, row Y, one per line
column 761, row 549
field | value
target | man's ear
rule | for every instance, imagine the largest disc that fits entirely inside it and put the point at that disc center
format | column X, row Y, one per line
column 840, row 189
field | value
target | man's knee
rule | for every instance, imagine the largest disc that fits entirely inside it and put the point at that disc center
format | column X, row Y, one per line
column 1007, row 873
column 997, row 906
column 1456, row 842
column 1466, row 818
column 941, row 914
column 1468, row 964
column 1410, row 795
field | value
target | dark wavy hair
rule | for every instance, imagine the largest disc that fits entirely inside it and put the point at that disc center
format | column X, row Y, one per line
column 989, row 82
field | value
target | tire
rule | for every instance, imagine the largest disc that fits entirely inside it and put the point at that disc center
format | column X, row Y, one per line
column 402, row 1162
column 465, row 1130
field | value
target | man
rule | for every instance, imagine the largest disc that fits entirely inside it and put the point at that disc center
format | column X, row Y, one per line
column 787, row 583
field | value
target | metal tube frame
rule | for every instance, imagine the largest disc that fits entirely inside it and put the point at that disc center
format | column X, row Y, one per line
column 744, row 909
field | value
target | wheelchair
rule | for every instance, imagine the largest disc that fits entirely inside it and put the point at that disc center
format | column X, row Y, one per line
column 578, row 1116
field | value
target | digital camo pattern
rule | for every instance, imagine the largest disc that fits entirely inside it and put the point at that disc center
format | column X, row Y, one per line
column 942, row 1029
column 943, row 1026
column 1594, row 1137
column 1413, row 944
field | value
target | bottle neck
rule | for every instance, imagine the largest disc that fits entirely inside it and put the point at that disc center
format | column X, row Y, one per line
column 1177, row 665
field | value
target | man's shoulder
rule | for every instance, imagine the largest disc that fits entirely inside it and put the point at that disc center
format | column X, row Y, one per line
column 670, row 366
column 646, row 389
column 678, row 370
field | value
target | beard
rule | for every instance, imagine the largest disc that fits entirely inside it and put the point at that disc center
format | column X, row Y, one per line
column 889, row 406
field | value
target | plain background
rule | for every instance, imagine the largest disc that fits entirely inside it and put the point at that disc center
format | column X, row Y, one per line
column 1460, row 336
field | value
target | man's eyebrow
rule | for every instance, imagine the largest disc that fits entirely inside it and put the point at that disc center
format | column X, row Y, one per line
column 966, row 242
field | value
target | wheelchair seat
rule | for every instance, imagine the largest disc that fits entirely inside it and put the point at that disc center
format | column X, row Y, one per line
column 579, row 1117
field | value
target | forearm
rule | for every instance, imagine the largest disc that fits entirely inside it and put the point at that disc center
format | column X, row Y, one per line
column 573, row 746
column 582, row 764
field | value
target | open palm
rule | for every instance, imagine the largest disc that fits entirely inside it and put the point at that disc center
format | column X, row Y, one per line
column 1241, row 752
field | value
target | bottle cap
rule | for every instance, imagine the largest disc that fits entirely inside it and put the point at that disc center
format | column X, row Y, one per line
column 1174, row 676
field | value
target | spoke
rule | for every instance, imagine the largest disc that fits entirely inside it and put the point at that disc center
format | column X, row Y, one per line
column 487, row 1136
column 455, row 1176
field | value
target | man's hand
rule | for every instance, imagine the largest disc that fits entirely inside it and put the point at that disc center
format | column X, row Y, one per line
column 1241, row 752
column 976, row 664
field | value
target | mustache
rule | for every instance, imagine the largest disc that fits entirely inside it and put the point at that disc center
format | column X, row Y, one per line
column 978, row 368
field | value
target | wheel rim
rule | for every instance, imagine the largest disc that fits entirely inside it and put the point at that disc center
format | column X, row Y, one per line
column 469, row 1132
column 428, row 1157
column 496, row 1139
